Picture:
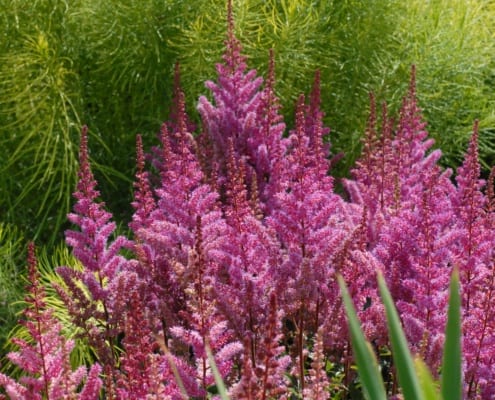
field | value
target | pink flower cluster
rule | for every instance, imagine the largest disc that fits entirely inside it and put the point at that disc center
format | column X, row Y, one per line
column 237, row 239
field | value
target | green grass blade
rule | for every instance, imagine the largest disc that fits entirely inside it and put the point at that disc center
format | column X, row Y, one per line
column 365, row 358
column 428, row 384
column 451, row 382
column 408, row 379
column 222, row 391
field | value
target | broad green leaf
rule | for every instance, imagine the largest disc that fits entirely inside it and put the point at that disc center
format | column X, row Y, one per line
column 408, row 379
column 428, row 384
column 368, row 369
column 451, row 382
column 222, row 391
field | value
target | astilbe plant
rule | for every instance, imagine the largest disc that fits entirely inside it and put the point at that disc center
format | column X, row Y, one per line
column 95, row 296
column 310, row 226
column 238, row 235
column 236, row 97
column 45, row 357
column 475, row 259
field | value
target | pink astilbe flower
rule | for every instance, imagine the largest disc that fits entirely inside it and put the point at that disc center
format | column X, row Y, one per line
column 45, row 357
column 204, row 325
column 470, row 206
column 254, row 256
column 99, row 307
column 144, row 371
column 392, row 170
column 309, row 220
column 476, row 261
column 266, row 145
column 144, row 202
column 410, row 213
column 374, row 181
column 410, row 146
column 237, row 96
column 183, row 196
column 358, row 266
column 266, row 379
column 318, row 383
column 177, row 115
column 416, row 251
column 91, row 244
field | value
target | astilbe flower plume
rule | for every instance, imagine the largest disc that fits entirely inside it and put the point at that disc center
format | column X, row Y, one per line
column 409, row 203
column 394, row 164
column 253, row 250
column 140, row 362
column 318, row 380
column 144, row 202
column 266, row 143
column 182, row 196
column 44, row 357
column 475, row 258
column 96, row 296
column 234, row 114
column 310, row 223
column 415, row 250
column 267, row 378
column 204, row 325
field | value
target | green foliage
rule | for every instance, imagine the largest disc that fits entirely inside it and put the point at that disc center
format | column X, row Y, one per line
column 451, row 43
column 11, row 293
column 415, row 379
column 39, row 115
column 452, row 369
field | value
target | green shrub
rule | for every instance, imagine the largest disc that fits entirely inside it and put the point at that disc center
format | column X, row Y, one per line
column 11, row 258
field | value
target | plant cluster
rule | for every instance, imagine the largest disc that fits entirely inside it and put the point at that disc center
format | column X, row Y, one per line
column 238, row 236
column 108, row 64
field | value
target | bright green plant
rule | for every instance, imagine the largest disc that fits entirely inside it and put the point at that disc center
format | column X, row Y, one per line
column 39, row 115
column 415, row 379
column 11, row 254
column 451, row 44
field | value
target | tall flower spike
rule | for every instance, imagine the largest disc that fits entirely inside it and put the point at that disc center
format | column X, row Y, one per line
column 476, row 263
column 470, row 205
column 144, row 202
column 236, row 97
column 205, row 325
column 253, row 252
column 307, row 217
column 490, row 191
column 178, row 115
column 45, row 357
column 97, row 309
column 266, row 379
column 90, row 243
column 318, row 380
column 266, row 145
column 314, row 122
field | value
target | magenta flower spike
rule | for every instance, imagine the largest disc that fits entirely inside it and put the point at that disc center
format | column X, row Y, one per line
column 144, row 202
column 98, row 306
column 44, row 358
column 236, row 96
column 476, row 261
